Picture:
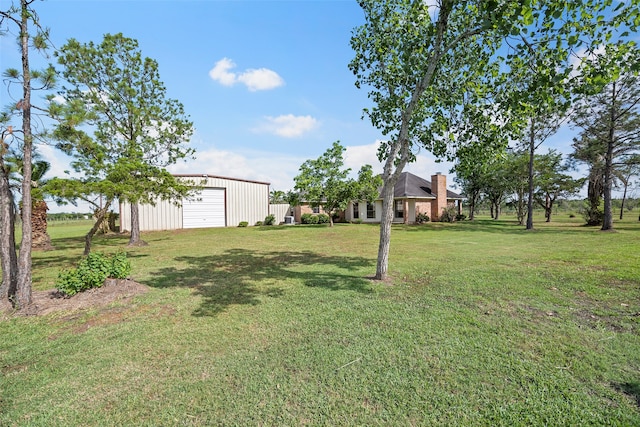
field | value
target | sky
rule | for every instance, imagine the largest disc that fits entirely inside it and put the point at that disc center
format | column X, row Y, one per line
column 265, row 82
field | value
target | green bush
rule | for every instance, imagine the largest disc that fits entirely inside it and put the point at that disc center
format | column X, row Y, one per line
column 309, row 218
column 270, row 219
column 593, row 216
column 92, row 271
column 120, row 266
column 422, row 218
column 258, row 223
column 356, row 221
column 448, row 214
column 461, row 217
column 243, row 224
column 323, row 218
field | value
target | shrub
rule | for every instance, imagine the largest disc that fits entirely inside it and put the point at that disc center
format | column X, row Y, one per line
column 258, row 223
column 92, row 271
column 309, row 218
column 243, row 224
column 421, row 218
column 323, row 218
column 356, row 221
column 593, row 216
column 448, row 214
column 120, row 266
column 461, row 217
column 270, row 219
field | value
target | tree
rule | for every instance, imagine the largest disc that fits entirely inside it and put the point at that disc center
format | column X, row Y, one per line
column 8, row 254
column 624, row 174
column 517, row 166
column 610, row 121
column 540, row 91
column 40, row 237
column 402, row 53
column 488, row 175
column 431, row 71
column 91, row 189
column 137, row 131
column 552, row 181
column 277, row 197
column 17, row 280
column 498, row 183
column 324, row 182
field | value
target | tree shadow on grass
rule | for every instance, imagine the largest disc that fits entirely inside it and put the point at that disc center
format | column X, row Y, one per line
column 241, row 276
column 631, row 389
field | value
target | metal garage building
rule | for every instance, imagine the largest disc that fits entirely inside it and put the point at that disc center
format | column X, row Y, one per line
column 222, row 202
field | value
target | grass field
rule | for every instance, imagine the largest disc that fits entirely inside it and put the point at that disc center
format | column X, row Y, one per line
column 482, row 323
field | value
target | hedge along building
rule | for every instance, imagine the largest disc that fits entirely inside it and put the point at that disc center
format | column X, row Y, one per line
column 221, row 202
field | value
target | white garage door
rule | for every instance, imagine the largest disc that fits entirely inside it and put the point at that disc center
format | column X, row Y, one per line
column 205, row 210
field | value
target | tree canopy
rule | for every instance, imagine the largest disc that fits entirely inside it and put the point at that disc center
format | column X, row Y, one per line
column 132, row 130
column 434, row 72
column 324, row 182
column 610, row 136
column 20, row 20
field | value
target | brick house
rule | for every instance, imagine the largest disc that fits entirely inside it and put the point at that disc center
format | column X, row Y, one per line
column 412, row 195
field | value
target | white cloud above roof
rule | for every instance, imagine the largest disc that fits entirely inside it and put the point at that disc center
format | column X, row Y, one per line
column 288, row 126
column 253, row 79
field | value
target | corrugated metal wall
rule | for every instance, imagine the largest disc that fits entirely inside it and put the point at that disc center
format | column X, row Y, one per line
column 280, row 211
column 245, row 201
column 163, row 216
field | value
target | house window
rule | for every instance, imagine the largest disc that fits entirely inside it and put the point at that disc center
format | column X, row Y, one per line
column 356, row 213
column 399, row 211
column 371, row 210
column 316, row 209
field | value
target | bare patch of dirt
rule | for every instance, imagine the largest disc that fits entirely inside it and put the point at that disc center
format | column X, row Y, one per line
column 45, row 302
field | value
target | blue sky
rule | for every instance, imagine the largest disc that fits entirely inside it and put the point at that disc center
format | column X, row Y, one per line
column 266, row 83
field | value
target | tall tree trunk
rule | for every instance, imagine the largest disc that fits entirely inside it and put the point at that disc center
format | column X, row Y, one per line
column 532, row 149
column 472, row 207
column 135, row 239
column 23, row 292
column 549, row 206
column 624, row 197
column 8, row 257
column 385, row 229
column 594, row 195
column 607, row 220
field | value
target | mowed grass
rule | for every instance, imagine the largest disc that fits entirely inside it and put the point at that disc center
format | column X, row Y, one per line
column 481, row 323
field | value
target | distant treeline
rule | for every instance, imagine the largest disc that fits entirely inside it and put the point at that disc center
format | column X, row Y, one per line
column 574, row 206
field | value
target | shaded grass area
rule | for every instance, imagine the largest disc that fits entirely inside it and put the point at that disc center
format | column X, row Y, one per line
column 481, row 323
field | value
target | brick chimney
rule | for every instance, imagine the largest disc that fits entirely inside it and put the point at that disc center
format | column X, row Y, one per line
column 439, row 187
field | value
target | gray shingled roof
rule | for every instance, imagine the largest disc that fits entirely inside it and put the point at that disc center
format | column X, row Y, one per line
column 412, row 186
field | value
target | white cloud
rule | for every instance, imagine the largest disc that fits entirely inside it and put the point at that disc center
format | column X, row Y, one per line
column 253, row 79
column 288, row 126
column 220, row 72
column 59, row 99
column 260, row 79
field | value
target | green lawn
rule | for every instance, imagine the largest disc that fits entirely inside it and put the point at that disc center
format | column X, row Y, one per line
column 483, row 323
